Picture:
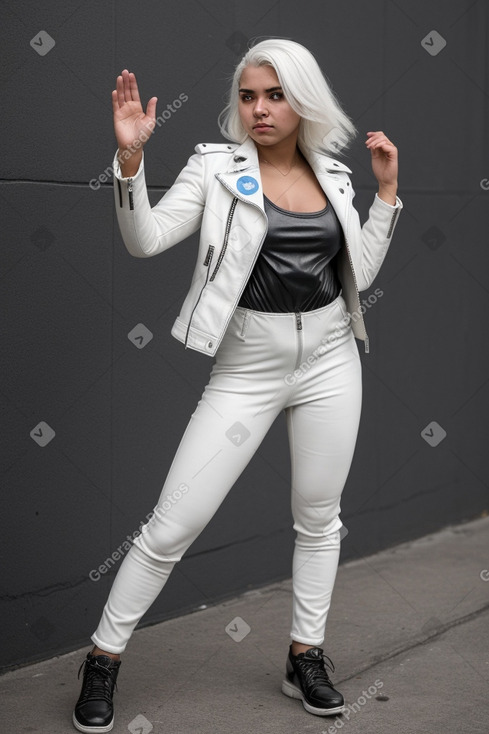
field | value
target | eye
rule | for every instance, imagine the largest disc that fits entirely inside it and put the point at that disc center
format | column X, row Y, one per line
column 245, row 97
column 276, row 95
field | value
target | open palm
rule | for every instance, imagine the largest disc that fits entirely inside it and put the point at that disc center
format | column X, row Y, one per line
column 130, row 121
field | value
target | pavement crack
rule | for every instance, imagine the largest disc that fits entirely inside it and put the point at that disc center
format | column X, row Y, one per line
column 412, row 645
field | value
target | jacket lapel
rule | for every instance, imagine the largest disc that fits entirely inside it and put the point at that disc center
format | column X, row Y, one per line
column 243, row 178
column 335, row 187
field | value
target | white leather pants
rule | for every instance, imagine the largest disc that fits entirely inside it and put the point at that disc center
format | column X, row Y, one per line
column 305, row 364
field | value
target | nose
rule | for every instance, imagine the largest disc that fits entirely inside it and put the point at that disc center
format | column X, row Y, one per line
column 260, row 109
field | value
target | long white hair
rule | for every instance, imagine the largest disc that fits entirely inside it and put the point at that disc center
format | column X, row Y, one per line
column 324, row 126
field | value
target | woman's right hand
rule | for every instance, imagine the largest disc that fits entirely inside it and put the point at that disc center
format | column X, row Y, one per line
column 132, row 126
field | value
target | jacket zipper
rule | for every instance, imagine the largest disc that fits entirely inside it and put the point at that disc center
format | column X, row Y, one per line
column 129, row 189
column 254, row 260
column 367, row 349
column 207, row 263
column 298, row 323
column 251, row 203
column 226, row 237
column 208, row 259
column 393, row 221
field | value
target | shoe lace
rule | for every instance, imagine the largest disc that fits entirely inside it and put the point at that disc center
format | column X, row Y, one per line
column 314, row 671
column 97, row 683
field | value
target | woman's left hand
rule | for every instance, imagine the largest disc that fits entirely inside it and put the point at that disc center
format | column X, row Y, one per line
column 384, row 163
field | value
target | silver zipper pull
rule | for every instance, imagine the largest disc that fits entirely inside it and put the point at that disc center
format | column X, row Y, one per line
column 129, row 188
column 298, row 320
column 209, row 255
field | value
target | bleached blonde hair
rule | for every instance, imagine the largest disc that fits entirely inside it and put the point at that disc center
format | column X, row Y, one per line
column 324, row 126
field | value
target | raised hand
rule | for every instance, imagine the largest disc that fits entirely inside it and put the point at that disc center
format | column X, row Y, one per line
column 384, row 164
column 132, row 126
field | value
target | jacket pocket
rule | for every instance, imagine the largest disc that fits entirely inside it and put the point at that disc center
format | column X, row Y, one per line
column 207, row 262
column 226, row 237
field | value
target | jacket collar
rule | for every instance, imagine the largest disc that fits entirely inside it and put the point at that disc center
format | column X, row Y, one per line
column 243, row 179
column 246, row 155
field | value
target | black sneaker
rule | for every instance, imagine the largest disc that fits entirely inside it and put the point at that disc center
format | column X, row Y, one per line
column 94, row 711
column 306, row 678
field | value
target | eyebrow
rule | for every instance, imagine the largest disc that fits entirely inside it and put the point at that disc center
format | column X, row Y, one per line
column 251, row 91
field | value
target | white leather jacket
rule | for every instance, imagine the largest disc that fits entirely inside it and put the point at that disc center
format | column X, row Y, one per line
column 220, row 191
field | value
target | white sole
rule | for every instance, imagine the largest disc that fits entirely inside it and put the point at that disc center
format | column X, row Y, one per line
column 294, row 692
column 92, row 729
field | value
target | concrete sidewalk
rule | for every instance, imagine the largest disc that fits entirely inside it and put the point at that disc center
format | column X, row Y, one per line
column 408, row 632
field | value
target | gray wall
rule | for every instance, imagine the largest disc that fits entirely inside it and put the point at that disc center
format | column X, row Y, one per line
column 70, row 294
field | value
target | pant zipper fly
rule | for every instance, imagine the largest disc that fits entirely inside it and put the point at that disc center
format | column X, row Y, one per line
column 298, row 323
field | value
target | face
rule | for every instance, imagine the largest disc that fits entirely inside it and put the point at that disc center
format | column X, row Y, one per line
column 265, row 114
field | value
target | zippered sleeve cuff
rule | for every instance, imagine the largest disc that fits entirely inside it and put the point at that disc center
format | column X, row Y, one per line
column 397, row 205
column 117, row 168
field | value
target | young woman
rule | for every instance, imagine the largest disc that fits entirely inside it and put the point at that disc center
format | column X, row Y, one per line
column 274, row 299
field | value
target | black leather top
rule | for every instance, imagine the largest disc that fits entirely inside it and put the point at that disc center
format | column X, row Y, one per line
column 296, row 269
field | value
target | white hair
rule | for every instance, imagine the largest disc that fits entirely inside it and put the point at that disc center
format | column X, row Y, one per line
column 324, row 126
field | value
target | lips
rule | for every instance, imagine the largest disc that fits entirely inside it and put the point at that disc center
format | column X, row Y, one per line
column 262, row 126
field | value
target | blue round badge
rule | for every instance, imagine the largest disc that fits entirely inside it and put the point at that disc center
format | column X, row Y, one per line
column 247, row 185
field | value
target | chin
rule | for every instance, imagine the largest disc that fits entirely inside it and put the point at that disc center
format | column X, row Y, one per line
column 262, row 139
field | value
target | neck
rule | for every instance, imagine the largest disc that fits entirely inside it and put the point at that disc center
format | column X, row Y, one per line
column 284, row 154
